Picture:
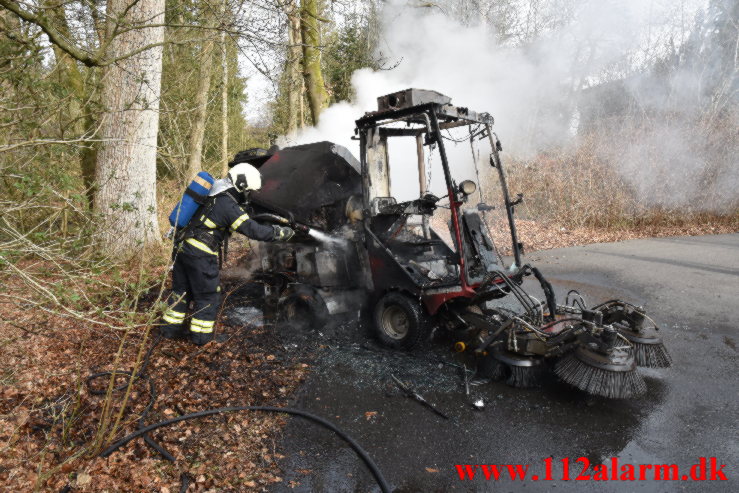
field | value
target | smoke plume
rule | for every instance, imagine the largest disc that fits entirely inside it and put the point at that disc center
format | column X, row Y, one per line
column 589, row 68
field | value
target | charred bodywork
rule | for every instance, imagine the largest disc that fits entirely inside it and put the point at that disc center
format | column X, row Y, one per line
column 363, row 251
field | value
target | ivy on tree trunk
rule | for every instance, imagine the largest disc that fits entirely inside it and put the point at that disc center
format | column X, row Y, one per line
column 311, row 33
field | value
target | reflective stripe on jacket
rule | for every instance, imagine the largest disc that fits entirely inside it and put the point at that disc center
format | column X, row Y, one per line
column 216, row 220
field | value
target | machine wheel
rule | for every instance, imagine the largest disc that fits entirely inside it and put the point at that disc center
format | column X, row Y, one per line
column 399, row 321
column 302, row 308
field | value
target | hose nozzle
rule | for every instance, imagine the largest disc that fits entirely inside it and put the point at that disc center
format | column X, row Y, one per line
column 284, row 221
column 301, row 228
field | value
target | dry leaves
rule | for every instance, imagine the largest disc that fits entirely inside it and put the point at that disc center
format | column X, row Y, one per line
column 47, row 415
column 83, row 479
column 544, row 236
column 541, row 235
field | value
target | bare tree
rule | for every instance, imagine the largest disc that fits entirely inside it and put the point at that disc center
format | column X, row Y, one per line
column 311, row 33
column 194, row 161
column 79, row 108
column 129, row 53
column 126, row 165
column 293, row 68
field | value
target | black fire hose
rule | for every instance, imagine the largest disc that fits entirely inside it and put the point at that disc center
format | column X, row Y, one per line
column 381, row 482
column 144, row 430
column 274, row 218
column 546, row 286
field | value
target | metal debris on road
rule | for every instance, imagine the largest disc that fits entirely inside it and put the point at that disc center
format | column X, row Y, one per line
column 466, row 381
column 417, row 397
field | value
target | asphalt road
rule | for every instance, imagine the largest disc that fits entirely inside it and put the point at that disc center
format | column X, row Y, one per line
column 690, row 285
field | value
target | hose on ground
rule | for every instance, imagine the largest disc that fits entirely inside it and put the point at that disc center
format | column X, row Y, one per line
column 141, row 375
column 185, row 480
column 381, row 481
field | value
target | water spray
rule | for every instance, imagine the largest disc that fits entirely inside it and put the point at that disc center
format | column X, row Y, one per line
column 323, row 237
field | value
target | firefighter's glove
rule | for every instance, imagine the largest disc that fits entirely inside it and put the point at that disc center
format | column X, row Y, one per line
column 283, row 233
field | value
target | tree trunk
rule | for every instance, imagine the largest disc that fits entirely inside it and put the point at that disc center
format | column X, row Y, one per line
column 294, row 56
column 195, row 149
column 301, row 114
column 224, row 106
column 310, row 30
column 78, row 106
column 125, row 200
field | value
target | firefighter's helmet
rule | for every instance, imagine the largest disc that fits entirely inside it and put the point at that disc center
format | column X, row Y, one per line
column 245, row 178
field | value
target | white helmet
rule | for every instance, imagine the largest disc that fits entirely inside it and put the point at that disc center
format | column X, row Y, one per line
column 245, row 177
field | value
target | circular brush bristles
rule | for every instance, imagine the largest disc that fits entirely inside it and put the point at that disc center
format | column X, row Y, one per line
column 596, row 381
column 651, row 355
column 493, row 369
column 526, row 376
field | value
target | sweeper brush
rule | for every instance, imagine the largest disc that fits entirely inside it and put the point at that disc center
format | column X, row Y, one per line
column 520, row 371
column 613, row 376
column 582, row 349
column 525, row 377
column 379, row 256
column 493, row 369
column 639, row 330
column 651, row 355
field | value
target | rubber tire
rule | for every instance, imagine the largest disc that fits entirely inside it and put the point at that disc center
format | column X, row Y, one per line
column 417, row 328
column 305, row 300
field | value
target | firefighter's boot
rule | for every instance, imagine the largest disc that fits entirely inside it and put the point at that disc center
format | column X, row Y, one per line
column 201, row 331
column 173, row 325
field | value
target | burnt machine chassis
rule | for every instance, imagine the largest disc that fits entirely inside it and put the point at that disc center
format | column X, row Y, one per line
column 359, row 254
column 475, row 254
column 378, row 254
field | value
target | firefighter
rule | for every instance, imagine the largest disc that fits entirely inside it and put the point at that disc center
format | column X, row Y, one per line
column 195, row 275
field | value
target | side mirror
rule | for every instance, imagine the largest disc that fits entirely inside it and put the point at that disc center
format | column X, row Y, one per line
column 467, row 187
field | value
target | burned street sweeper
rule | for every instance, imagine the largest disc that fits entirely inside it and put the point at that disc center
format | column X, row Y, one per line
column 206, row 215
column 385, row 258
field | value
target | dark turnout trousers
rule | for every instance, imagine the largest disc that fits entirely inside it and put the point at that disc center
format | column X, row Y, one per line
column 194, row 278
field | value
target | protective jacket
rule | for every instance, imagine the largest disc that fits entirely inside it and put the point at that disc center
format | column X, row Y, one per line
column 221, row 215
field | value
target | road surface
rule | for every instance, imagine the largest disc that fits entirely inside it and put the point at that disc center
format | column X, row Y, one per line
column 690, row 285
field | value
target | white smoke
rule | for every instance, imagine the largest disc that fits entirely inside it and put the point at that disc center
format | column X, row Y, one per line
column 530, row 88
